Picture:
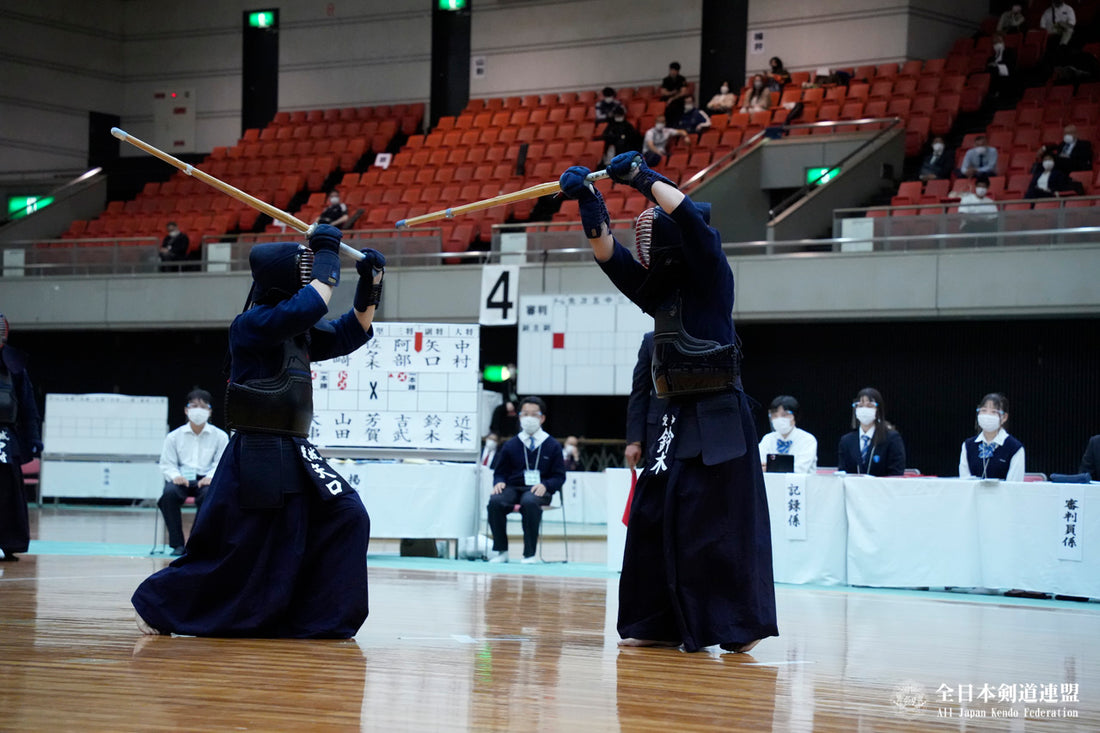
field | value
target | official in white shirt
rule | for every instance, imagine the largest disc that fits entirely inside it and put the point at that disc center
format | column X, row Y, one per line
column 786, row 438
column 992, row 453
column 1059, row 20
column 191, row 453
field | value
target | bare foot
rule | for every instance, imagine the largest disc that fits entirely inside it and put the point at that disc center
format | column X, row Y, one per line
column 144, row 627
column 648, row 642
column 740, row 648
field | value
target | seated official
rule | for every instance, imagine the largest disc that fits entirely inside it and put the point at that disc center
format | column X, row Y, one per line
column 993, row 453
column 786, row 438
column 874, row 447
column 528, row 471
column 1090, row 462
column 191, row 453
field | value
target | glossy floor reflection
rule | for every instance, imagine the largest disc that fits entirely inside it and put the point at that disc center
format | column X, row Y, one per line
column 486, row 651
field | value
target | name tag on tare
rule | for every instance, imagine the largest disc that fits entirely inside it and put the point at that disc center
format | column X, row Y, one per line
column 531, row 477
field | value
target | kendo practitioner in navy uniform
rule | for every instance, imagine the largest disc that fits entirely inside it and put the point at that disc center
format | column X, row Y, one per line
column 20, row 441
column 643, row 408
column 697, row 567
column 279, row 547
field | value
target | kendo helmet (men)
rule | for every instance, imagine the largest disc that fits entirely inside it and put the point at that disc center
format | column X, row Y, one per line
column 658, row 240
column 279, row 270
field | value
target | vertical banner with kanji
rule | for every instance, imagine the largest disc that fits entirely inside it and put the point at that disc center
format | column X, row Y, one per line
column 1071, row 518
column 796, row 505
column 414, row 385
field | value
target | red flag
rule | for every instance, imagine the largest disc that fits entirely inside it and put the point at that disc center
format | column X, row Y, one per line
column 630, row 498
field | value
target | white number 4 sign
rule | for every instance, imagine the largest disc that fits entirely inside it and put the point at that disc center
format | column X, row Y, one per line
column 499, row 295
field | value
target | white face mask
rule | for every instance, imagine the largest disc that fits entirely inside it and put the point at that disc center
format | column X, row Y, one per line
column 1068, row 139
column 609, row 99
column 782, row 425
column 660, row 126
column 689, row 107
column 998, row 47
column 989, row 423
column 979, row 150
column 724, row 89
column 757, row 84
column 937, row 148
column 1048, row 165
column 490, row 444
column 334, row 200
column 198, row 415
column 529, row 423
column 570, row 450
column 620, row 119
column 980, row 191
column 866, row 415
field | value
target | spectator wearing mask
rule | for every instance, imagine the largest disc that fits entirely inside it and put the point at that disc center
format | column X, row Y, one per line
column 778, row 77
column 980, row 160
column 1012, row 20
column 1047, row 181
column 759, row 99
column 980, row 209
column 657, row 138
column 938, row 162
column 336, row 213
column 674, row 88
column 619, row 136
column 1073, row 154
column 694, row 120
column 606, row 107
column 1058, row 21
column 723, row 102
column 571, row 454
column 992, row 453
column 173, row 248
column 1001, row 65
column 873, row 447
column 788, row 439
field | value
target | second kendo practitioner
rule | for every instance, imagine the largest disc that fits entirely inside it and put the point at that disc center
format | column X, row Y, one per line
column 697, row 567
column 279, row 548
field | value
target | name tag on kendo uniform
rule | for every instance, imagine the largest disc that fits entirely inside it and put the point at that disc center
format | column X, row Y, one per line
column 531, row 477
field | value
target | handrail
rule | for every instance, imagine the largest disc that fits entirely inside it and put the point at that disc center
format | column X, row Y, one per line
column 806, row 188
column 698, row 178
column 1061, row 200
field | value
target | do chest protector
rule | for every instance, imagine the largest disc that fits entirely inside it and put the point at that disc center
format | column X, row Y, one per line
column 279, row 405
column 684, row 365
column 9, row 405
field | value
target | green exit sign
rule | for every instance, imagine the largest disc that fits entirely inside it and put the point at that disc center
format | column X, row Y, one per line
column 261, row 19
column 452, row 4
column 820, row 176
column 19, row 206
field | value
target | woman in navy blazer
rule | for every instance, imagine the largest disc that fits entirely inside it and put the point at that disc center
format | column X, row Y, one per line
column 873, row 447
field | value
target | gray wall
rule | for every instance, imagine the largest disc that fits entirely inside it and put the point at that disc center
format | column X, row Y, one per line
column 1030, row 281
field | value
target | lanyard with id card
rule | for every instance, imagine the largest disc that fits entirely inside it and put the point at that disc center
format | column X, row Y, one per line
column 531, row 476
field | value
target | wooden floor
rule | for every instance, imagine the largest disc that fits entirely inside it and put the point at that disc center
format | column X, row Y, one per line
column 483, row 650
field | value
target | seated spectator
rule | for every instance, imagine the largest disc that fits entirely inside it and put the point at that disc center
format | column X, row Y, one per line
column 778, row 76
column 336, row 213
column 980, row 160
column 655, row 144
column 874, row 448
column 605, row 108
column 723, row 102
column 190, row 454
column 759, row 99
column 1090, row 462
column 1058, row 20
column 1047, row 181
column 788, row 439
column 938, row 162
column 694, row 120
column 173, row 248
column 1073, row 154
column 1002, row 67
column 993, row 453
column 1012, row 20
column 571, row 454
column 980, row 209
column 674, row 88
column 528, row 472
column 619, row 136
